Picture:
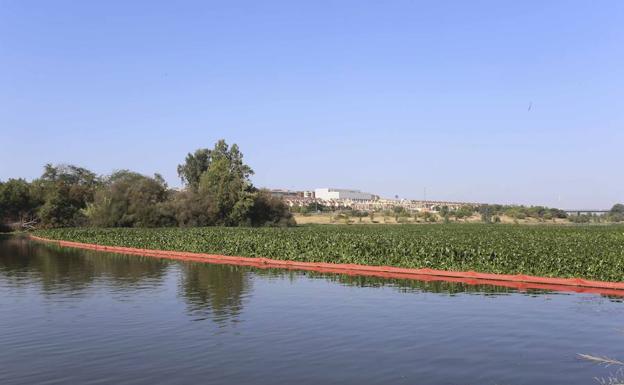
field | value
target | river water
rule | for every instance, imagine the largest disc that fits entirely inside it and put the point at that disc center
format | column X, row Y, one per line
column 81, row 317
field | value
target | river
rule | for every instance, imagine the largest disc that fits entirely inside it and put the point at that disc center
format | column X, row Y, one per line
column 80, row 317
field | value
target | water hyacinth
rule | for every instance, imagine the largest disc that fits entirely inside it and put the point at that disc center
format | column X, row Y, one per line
column 591, row 252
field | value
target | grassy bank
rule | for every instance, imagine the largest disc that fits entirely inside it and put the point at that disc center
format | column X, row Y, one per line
column 592, row 252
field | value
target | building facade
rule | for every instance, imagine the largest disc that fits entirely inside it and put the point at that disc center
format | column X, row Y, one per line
column 328, row 194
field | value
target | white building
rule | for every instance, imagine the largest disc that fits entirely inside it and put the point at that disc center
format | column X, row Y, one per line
column 336, row 193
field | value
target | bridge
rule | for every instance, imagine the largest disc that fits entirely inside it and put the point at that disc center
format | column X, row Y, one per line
column 578, row 212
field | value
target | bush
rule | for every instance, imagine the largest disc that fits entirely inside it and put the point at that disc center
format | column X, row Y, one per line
column 129, row 199
column 616, row 217
column 580, row 218
column 269, row 211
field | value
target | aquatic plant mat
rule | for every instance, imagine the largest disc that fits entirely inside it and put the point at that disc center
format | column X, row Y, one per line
column 563, row 250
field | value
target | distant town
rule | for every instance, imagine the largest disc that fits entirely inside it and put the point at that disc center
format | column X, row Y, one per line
column 337, row 198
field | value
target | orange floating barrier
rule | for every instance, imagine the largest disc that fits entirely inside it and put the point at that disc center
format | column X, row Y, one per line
column 518, row 281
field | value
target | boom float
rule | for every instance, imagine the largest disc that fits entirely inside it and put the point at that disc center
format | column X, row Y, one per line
column 519, row 281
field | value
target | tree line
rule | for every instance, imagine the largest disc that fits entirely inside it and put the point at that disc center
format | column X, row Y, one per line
column 493, row 212
column 217, row 191
column 489, row 213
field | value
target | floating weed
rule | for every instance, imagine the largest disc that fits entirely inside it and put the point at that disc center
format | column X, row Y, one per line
column 591, row 252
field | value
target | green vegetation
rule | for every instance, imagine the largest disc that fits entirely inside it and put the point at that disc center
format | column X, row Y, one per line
column 615, row 215
column 16, row 201
column 129, row 199
column 218, row 192
column 56, row 199
column 592, row 252
column 489, row 213
column 312, row 208
column 492, row 213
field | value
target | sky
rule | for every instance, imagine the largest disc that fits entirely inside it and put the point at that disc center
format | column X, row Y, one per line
column 483, row 101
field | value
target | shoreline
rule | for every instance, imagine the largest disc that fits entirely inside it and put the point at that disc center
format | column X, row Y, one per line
column 519, row 281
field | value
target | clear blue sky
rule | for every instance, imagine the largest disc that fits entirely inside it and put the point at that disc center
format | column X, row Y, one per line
column 385, row 96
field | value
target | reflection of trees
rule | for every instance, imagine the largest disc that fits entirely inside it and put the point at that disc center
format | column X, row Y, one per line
column 215, row 291
column 443, row 287
column 403, row 285
column 409, row 285
column 62, row 269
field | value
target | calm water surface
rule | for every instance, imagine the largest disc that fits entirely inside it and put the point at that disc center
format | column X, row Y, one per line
column 78, row 317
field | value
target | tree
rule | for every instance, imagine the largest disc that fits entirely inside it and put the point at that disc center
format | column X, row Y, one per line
column 427, row 216
column 17, row 202
column 193, row 167
column 269, row 211
column 557, row 213
column 65, row 190
column 617, row 208
column 220, row 192
column 399, row 211
column 360, row 214
column 192, row 209
column 226, row 182
column 464, row 212
column 584, row 218
column 129, row 199
column 486, row 215
column 617, row 213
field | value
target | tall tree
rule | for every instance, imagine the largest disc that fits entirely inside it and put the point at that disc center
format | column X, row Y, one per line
column 16, row 201
column 226, row 182
column 193, row 167
column 65, row 191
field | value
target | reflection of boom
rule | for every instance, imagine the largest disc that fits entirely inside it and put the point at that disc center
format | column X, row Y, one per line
column 530, row 105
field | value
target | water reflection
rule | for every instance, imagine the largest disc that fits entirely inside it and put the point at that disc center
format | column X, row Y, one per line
column 210, row 291
column 214, row 291
column 438, row 287
column 62, row 269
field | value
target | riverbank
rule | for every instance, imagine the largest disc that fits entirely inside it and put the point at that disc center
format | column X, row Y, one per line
column 587, row 252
